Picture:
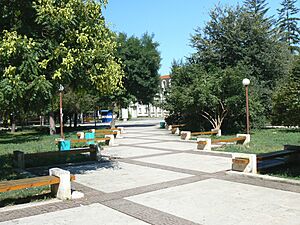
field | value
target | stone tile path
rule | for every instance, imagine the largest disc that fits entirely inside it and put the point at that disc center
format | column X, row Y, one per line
column 158, row 179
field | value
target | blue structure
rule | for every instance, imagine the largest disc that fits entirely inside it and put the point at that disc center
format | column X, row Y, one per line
column 90, row 135
column 106, row 116
column 64, row 145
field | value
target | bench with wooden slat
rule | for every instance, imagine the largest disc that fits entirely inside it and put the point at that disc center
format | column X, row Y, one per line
column 88, row 140
column 57, row 153
column 178, row 125
column 20, row 184
column 116, row 128
column 204, row 133
column 114, row 132
column 229, row 140
column 274, row 159
column 272, row 155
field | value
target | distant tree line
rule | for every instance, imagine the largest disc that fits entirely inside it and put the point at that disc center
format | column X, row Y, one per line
column 240, row 42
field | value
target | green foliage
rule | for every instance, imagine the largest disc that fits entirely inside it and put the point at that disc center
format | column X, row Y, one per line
column 45, row 43
column 141, row 62
column 238, row 40
column 16, row 15
column 288, row 24
column 241, row 35
column 215, row 96
column 80, row 49
column 287, row 98
column 22, row 86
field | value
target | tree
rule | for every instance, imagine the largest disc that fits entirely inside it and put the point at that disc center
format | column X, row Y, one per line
column 215, row 96
column 75, row 103
column 22, row 88
column 243, row 36
column 288, row 24
column 75, row 47
column 287, row 98
column 16, row 15
column 257, row 8
column 141, row 62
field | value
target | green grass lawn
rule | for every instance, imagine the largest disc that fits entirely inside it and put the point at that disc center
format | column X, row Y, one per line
column 265, row 140
column 28, row 141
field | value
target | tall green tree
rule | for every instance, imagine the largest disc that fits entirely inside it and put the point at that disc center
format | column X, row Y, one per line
column 211, row 98
column 23, row 88
column 75, row 47
column 288, row 24
column 287, row 98
column 257, row 8
column 141, row 61
column 243, row 36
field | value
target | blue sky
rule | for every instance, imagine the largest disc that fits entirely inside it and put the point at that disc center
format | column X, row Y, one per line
column 171, row 21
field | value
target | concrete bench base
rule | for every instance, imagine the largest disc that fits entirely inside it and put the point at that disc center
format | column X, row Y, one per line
column 62, row 190
column 185, row 135
column 244, row 162
column 204, row 144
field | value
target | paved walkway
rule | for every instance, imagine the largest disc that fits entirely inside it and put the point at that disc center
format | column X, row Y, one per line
column 158, row 179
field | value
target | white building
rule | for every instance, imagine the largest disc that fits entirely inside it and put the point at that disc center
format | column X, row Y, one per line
column 136, row 110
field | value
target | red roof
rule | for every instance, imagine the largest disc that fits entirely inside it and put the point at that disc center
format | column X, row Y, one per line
column 165, row 77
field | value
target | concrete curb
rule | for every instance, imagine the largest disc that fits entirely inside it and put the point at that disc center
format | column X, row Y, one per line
column 264, row 177
column 219, row 152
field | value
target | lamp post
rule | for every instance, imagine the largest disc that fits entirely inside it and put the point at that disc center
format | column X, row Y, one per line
column 246, row 83
column 61, row 89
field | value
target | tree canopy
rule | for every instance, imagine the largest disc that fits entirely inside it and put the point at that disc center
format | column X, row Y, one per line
column 288, row 24
column 68, row 43
column 141, row 62
column 237, row 42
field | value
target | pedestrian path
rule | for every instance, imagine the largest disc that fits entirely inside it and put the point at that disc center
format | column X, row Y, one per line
column 159, row 179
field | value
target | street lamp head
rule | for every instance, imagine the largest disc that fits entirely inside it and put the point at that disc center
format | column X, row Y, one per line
column 61, row 88
column 246, row 82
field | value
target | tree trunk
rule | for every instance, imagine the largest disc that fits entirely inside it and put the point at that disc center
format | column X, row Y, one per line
column 149, row 112
column 81, row 118
column 70, row 117
column 13, row 123
column 42, row 121
column 113, row 121
column 75, row 119
column 52, row 123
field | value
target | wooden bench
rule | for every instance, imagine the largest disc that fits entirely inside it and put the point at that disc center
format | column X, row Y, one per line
column 13, row 185
column 186, row 135
column 105, row 139
column 238, row 140
column 253, row 163
column 22, row 160
column 175, row 128
column 206, row 143
column 204, row 133
column 274, row 159
column 102, row 139
column 106, row 132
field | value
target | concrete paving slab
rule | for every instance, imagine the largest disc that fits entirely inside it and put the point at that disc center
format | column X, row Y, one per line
column 172, row 145
column 132, row 141
column 204, row 163
column 92, row 215
column 124, row 176
column 212, row 201
column 163, row 137
column 125, row 151
column 133, row 134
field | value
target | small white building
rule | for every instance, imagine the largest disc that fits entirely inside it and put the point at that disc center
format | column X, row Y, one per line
column 136, row 110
